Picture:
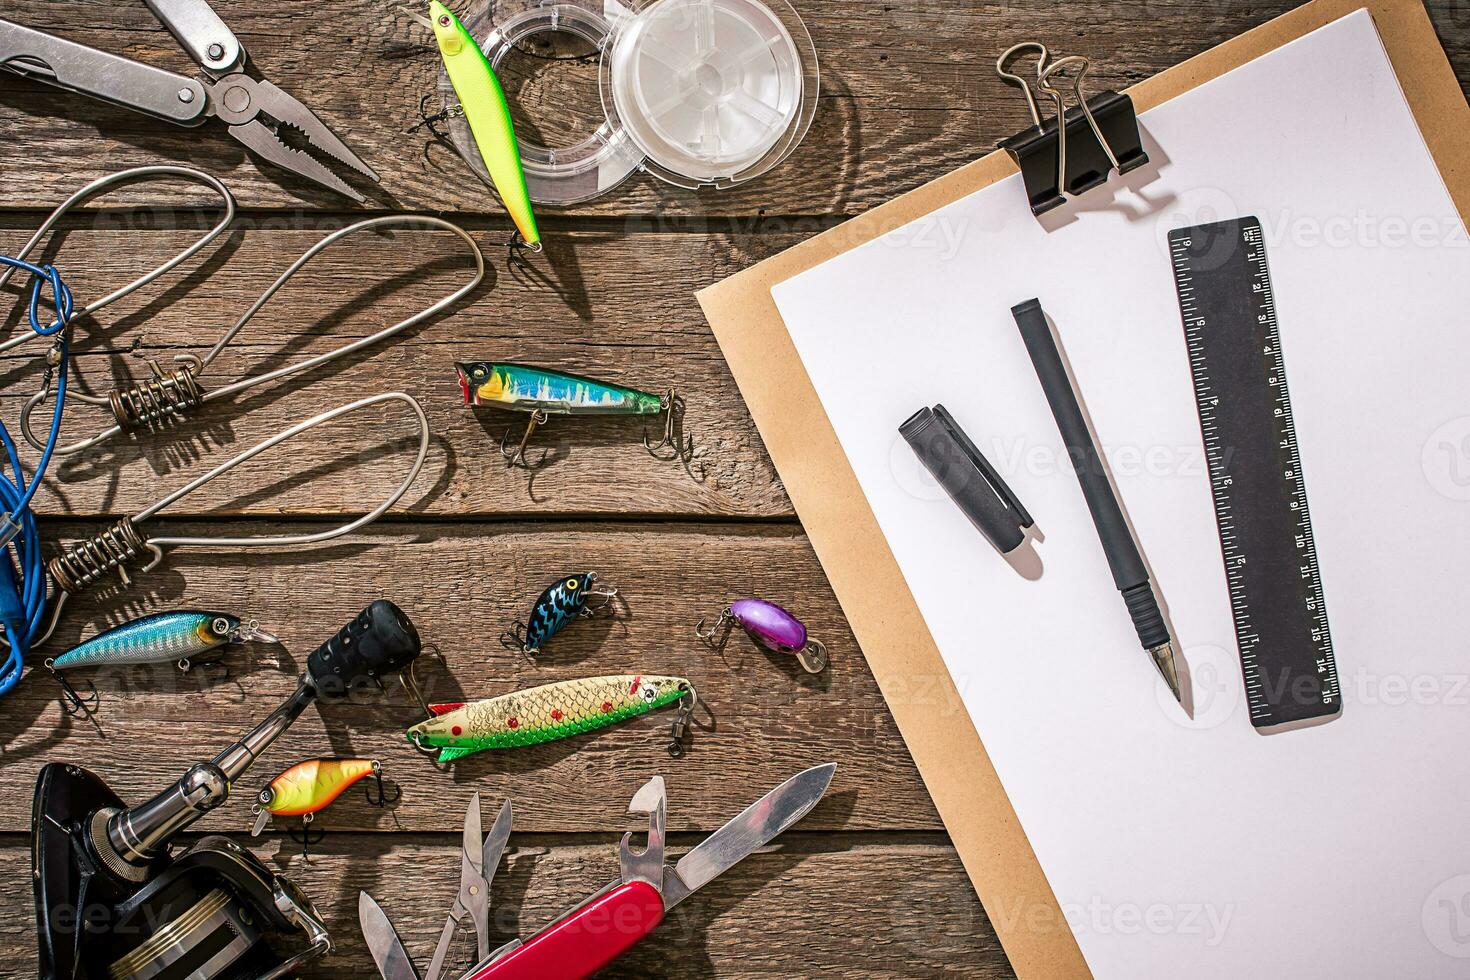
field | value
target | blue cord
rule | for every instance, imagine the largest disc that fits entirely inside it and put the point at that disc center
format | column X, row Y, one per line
column 22, row 571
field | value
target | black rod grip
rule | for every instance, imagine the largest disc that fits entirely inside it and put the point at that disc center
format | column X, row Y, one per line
column 381, row 640
column 1112, row 529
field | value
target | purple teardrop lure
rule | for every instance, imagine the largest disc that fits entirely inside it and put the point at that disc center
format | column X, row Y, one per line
column 776, row 629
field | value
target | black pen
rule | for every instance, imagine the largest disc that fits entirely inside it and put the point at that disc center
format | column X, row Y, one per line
column 1129, row 573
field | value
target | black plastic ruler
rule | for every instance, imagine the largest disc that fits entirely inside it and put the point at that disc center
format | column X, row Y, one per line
column 1260, row 496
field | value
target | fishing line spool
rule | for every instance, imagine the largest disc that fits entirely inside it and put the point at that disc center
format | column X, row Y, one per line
column 695, row 92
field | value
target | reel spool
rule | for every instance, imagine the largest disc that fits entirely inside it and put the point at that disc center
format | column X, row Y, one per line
column 112, row 901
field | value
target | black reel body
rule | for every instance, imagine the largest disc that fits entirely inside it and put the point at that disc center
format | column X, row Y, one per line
column 113, row 900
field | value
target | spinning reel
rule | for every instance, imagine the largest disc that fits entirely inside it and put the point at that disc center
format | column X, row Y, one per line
column 114, row 900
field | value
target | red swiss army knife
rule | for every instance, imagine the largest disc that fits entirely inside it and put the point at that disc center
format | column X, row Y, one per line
column 609, row 923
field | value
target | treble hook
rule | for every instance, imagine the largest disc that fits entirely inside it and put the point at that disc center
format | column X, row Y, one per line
column 673, row 406
column 73, row 703
column 305, row 837
column 106, row 183
column 426, row 120
column 514, row 637
column 383, row 799
column 517, row 456
column 720, row 629
column 608, row 598
column 170, row 394
column 85, row 562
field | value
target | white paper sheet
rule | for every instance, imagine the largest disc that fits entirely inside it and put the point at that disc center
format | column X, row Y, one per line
column 1177, row 847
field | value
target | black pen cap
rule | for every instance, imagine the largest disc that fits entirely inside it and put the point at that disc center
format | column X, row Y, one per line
column 969, row 479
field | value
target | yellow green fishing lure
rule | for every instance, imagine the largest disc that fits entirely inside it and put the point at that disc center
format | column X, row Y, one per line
column 547, row 713
column 488, row 114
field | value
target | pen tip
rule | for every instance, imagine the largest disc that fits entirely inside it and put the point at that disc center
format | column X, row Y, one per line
column 1163, row 655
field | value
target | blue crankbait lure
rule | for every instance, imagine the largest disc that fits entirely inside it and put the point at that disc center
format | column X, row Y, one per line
column 172, row 637
column 563, row 601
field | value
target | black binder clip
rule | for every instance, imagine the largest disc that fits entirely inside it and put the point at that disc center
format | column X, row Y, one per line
column 967, row 476
column 1100, row 135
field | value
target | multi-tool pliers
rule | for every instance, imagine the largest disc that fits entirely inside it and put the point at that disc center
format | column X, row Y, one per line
column 253, row 108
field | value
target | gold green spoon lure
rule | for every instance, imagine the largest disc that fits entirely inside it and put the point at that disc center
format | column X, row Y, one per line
column 485, row 109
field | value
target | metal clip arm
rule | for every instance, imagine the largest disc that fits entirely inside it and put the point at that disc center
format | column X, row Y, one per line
column 107, row 183
column 168, row 394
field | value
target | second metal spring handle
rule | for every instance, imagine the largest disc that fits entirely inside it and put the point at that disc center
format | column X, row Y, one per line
column 83, row 563
column 169, row 394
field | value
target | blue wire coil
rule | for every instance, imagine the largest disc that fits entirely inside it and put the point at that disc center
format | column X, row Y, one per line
column 22, row 570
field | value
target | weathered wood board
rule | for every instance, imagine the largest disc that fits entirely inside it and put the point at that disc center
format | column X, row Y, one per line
column 806, row 908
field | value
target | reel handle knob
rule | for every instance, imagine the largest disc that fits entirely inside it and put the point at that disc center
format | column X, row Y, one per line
column 382, row 640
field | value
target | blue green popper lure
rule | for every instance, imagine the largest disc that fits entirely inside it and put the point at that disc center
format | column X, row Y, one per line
column 181, row 637
column 485, row 109
column 563, row 601
column 542, row 393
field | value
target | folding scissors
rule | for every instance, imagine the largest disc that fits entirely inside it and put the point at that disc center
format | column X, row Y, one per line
column 253, row 108
column 478, row 861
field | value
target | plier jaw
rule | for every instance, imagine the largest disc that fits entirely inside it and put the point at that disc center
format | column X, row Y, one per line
column 253, row 108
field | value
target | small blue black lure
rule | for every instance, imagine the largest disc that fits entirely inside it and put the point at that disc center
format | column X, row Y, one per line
column 563, row 601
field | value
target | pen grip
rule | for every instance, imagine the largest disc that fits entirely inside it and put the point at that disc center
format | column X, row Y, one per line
column 1117, row 540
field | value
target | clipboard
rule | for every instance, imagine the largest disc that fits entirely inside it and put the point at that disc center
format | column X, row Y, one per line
column 845, row 534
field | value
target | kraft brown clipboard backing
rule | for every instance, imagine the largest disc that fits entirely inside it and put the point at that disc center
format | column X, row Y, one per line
column 846, row 537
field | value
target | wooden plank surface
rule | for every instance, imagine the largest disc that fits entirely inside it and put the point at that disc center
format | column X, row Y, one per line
column 618, row 306
column 907, row 93
column 762, row 717
column 806, row 907
column 867, row 885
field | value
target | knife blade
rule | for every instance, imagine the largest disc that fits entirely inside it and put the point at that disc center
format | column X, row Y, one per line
column 494, row 848
column 382, row 939
column 756, row 826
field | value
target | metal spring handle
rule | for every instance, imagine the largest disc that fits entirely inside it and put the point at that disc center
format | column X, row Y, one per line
column 170, row 394
column 85, row 562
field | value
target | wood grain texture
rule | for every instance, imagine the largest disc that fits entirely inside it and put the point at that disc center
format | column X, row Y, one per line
column 908, row 93
column 762, row 717
column 618, row 307
column 817, row 905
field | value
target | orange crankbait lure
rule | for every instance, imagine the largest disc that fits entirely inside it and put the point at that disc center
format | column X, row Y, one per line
column 309, row 787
